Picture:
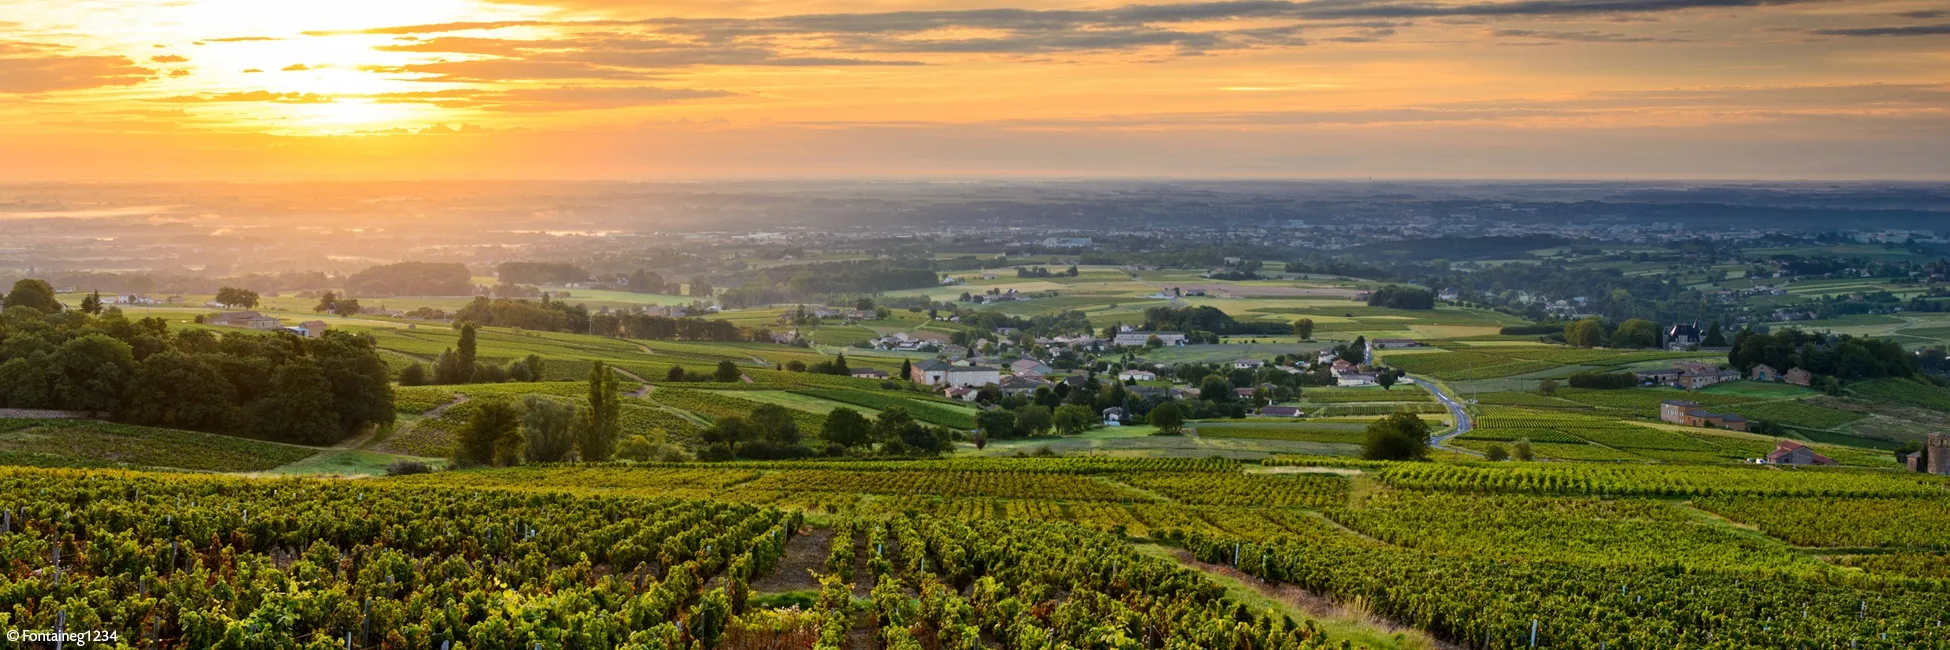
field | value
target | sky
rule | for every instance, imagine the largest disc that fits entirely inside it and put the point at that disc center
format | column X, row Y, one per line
column 272, row 90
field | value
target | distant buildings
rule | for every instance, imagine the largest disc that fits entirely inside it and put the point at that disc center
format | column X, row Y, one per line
column 1137, row 375
column 935, row 372
column 1683, row 336
column 1691, row 414
column 244, row 319
column 1280, row 411
column 1789, row 452
column 1141, row 338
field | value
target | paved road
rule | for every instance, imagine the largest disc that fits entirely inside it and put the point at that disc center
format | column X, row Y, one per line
column 1456, row 410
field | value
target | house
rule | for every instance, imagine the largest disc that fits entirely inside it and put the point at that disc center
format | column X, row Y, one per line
column 1798, row 377
column 1789, row 452
column 310, row 329
column 1020, row 385
column 1694, row 376
column 1913, row 461
column 933, row 372
column 1114, row 416
column 1690, row 414
column 1242, row 393
column 1764, row 372
column 1077, row 381
column 962, row 393
column 1140, row 338
column 1029, row 367
column 1137, row 375
column 973, row 376
column 247, row 319
column 1351, row 378
column 869, row 373
column 1280, row 411
column 1683, row 336
column 1247, row 364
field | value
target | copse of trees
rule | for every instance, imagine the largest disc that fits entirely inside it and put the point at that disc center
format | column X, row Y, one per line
column 1395, row 296
column 1206, row 318
column 271, row 386
column 539, row 273
column 1602, row 380
column 1831, row 355
column 236, row 298
column 412, row 279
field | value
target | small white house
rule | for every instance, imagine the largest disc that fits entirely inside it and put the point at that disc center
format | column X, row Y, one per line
column 1114, row 416
column 1137, row 375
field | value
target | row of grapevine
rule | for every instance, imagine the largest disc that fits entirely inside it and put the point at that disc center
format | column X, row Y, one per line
column 211, row 562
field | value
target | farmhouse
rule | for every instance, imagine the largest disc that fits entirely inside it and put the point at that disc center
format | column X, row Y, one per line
column 310, row 329
column 1789, row 452
column 1114, row 416
column 1693, row 415
column 962, row 393
column 1247, row 364
column 1764, row 372
column 1020, row 384
column 1140, row 338
column 1351, row 378
column 1029, row 367
column 1798, row 377
column 249, row 319
column 1137, row 375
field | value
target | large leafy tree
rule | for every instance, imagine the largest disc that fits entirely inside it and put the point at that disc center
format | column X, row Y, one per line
column 847, row 428
column 464, row 355
column 298, row 407
column 480, row 441
column 34, row 294
column 1168, row 418
column 90, row 373
column 548, row 427
column 1400, row 436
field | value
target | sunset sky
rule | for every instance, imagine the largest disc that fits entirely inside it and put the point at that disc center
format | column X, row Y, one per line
column 97, row 90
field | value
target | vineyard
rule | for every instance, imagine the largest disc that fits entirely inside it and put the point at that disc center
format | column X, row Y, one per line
column 1839, row 522
column 88, row 443
column 1499, row 362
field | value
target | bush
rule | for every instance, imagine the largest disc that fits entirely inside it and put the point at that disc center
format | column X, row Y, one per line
column 1497, row 453
column 1524, row 452
column 406, row 467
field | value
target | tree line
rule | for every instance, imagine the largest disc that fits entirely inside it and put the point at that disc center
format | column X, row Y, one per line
column 271, row 386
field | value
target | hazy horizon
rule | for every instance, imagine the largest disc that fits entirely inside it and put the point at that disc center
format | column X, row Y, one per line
column 1697, row 90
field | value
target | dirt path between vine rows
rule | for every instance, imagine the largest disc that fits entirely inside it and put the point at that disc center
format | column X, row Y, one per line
column 1321, row 608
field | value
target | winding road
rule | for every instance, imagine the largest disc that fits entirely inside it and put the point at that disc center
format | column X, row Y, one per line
column 1456, row 410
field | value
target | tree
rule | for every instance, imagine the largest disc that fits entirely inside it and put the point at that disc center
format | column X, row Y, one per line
column 1168, row 418
column 1547, row 387
column 676, row 373
column 727, row 372
column 414, row 374
column 1715, row 337
column 596, row 435
column 907, row 369
column 362, row 390
column 464, row 357
column 548, row 427
column 1636, row 333
column 996, row 423
column 1073, row 419
column 775, row 434
column 481, row 438
column 1215, row 389
column 179, row 391
column 37, row 294
column 700, row 288
column 724, row 436
column 847, row 428
column 1034, row 419
column 1524, row 451
column 1400, row 436
column 1304, row 328
column 92, row 303
column 328, row 303
column 297, row 409
column 1586, row 333
column 1497, row 453
column 1387, row 379
column 90, row 373
column 839, row 365
column 348, row 307
column 234, row 297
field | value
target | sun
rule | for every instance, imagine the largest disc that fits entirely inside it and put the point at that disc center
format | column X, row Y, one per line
column 348, row 115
